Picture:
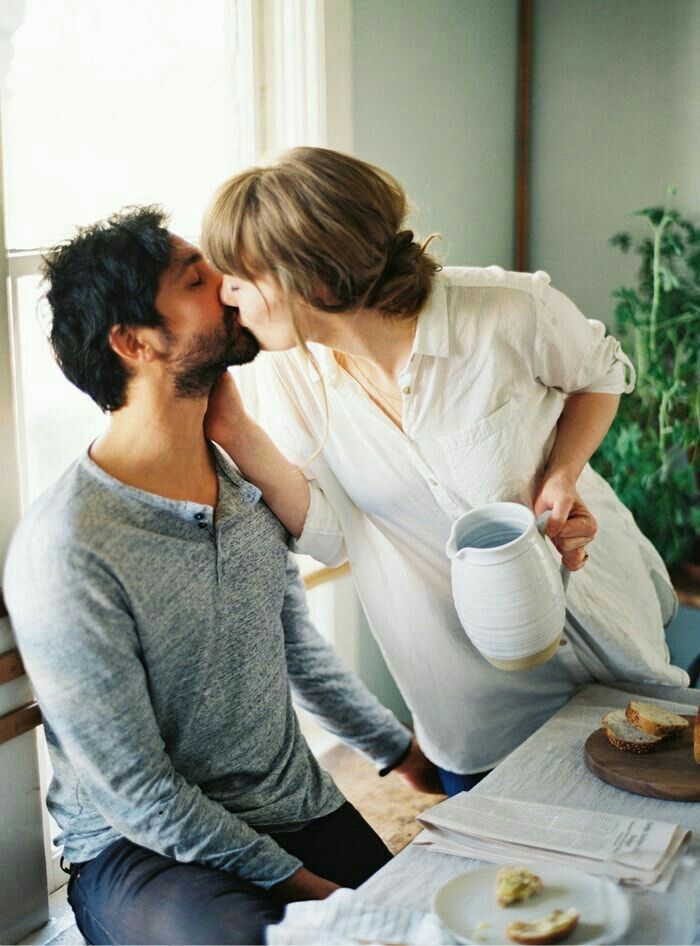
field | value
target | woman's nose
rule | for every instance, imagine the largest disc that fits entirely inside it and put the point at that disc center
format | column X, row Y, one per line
column 225, row 293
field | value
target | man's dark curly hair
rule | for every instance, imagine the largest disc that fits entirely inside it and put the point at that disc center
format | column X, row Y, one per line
column 106, row 275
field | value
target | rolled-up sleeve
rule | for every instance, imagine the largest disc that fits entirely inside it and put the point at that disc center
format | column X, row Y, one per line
column 271, row 401
column 573, row 353
column 321, row 538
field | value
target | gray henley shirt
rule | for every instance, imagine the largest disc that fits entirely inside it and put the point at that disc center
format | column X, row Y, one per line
column 161, row 638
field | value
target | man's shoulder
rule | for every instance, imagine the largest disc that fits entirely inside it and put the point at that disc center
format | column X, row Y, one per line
column 63, row 521
column 67, row 500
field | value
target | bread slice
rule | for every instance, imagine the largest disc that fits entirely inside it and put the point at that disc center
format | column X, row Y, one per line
column 622, row 734
column 696, row 737
column 550, row 929
column 654, row 720
column 514, row 884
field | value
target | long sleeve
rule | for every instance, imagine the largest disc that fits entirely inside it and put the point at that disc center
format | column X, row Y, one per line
column 82, row 653
column 323, row 685
column 321, row 538
column 573, row 353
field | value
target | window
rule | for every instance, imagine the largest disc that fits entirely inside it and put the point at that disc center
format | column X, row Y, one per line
column 105, row 105
column 114, row 103
column 108, row 104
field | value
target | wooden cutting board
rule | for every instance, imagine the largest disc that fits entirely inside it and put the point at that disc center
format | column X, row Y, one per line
column 669, row 771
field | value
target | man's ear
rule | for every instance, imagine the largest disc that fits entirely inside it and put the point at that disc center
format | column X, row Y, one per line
column 132, row 344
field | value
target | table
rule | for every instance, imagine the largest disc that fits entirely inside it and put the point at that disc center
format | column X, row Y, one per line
column 549, row 767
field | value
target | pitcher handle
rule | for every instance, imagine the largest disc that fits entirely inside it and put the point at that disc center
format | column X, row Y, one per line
column 541, row 523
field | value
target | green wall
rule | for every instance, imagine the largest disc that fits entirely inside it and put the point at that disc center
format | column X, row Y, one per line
column 615, row 121
column 434, row 103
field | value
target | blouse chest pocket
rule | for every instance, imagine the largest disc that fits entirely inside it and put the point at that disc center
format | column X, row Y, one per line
column 491, row 460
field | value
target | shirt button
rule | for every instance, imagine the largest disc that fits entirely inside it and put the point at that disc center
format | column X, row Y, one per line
column 406, row 390
column 199, row 515
column 433, row 482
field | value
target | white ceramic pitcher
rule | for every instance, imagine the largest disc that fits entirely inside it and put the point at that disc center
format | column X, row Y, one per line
column 507, row 589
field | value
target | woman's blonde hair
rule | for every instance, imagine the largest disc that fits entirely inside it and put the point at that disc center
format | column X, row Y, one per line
column 327, row 227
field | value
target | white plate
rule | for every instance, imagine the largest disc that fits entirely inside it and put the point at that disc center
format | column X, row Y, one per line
column 468, row 900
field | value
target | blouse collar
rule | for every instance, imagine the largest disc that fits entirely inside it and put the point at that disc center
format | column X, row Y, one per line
column 432, row 333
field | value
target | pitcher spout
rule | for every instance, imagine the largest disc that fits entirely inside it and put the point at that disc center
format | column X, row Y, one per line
column 452, row 549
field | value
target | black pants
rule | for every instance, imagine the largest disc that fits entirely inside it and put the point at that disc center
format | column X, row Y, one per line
column 131, row 895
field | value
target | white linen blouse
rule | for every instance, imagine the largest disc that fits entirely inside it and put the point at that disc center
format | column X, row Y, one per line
column 494, row 355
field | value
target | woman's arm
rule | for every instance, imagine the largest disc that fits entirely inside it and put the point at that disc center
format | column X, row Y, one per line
column 284, row 487
column 573, row 354
column 584, row 422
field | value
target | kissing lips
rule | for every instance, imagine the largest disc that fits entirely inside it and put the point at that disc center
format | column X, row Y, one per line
column 231, row 318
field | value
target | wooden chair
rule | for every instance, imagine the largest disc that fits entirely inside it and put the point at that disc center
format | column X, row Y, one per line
column 21, row 720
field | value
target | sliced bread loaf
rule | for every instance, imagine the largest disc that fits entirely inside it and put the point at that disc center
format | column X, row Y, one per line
column 654, row 719
column 624, row 735
column 550, row 929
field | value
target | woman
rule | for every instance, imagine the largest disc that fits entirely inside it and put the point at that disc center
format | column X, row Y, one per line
column 406, row 395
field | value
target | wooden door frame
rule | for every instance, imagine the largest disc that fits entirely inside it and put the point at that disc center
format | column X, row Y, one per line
column 522, row 141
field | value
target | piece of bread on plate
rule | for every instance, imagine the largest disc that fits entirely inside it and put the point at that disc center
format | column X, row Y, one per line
column 550, row 929
column 515, row 884
column 622, row 734
column 654, row 720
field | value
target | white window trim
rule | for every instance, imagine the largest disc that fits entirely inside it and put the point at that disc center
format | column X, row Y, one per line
column 19, row 851
column 292, row 63
column 306, row 64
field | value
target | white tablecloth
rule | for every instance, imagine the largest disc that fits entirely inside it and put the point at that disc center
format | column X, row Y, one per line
column 550, row 768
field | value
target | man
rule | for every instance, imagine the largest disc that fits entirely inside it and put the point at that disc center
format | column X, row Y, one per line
column 162, row 622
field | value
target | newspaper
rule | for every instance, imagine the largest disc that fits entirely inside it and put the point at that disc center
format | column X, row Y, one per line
column 629, row 850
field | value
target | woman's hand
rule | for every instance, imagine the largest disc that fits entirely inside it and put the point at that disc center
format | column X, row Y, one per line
column 571, row 526
column 304, row 885
column 419, row 772
column 225, row 412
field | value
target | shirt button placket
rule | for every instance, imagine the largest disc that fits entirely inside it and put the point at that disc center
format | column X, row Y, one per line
column 406, row 383
column 441, row 495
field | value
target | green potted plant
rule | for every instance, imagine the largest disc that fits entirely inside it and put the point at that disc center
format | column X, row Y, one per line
column 651, row 456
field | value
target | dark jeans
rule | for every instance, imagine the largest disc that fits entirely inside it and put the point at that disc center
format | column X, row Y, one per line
column 128, row 894
column 454, row 783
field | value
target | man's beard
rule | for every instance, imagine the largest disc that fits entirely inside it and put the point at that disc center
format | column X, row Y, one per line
column 196, row 370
